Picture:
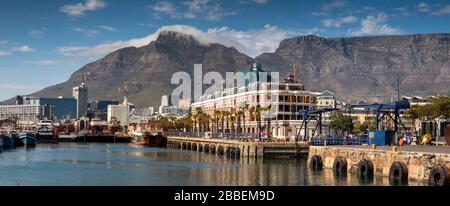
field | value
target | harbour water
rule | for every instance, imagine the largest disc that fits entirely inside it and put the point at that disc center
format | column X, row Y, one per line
column 70, row 164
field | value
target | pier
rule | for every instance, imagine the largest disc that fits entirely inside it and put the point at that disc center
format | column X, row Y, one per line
column 238, row 149
column 419, row 163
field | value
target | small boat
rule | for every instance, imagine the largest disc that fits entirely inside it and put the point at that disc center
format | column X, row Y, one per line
column 155, row 139
column 28, row 139
column 44, row 130
column 7, row 141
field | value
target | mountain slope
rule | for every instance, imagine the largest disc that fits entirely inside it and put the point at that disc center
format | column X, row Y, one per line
column 144, row 73
column 359, row 68
column 366, row 68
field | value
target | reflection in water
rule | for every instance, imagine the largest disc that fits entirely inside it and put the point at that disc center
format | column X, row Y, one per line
column 121, row 164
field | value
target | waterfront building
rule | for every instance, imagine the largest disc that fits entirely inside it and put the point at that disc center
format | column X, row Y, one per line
column 81, row 95
column 286, row 99
column 99, row 108
column 26, row 115
column 185, row 103
column 151, row 110
column 63, row 108
column 166, row 110
column 120, row 113
column 173, row 111
column 326, row 99
column 101, row 105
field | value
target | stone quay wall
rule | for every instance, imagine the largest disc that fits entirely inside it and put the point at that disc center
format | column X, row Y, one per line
column 419, row 163
column 235, row 148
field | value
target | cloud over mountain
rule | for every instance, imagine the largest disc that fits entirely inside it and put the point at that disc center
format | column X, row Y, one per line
column 251, row 42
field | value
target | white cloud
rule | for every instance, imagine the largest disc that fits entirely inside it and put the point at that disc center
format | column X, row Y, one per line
column 88, row 33
column 43, row 62
column 192, row 9
column 24, row 48
column 443, row 10
column 338, row 22
column 77, row 10
column 251, row 42
column 108, row 28
column 37, row 33
column 4, row 53
column 423, row 7
column 436, row 9
column 260, row 1
column 255, row 41
column 165, row 7
column 334, row 5
column 325, row 9
column 374, row 25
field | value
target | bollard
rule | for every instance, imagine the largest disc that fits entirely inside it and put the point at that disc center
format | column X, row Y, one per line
column 394, row 148
column 374, row 146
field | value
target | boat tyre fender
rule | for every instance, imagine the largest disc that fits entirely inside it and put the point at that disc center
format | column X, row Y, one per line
column 365, row 168
column 398, row 173
column 439, row 176
column 238, row 153
column 340, row 165
column 316, row 162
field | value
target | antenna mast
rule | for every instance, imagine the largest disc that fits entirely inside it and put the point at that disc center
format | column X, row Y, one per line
column 398, row 86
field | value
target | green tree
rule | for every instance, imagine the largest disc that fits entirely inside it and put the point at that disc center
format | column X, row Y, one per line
column 360, row 128
column 341, row 123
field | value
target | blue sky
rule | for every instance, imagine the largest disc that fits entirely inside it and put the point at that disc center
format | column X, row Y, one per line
column 43, row 42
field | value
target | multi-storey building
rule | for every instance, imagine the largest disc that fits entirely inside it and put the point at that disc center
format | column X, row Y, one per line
column 326, row 99
column 120, row 113
column 81, row 95
column 26, row 114
column 286, row 99
column 63, row 108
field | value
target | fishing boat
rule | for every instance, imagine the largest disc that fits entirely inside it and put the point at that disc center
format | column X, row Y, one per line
column 44, row 130
column 155, row 139
column 7, row 141
column 137, row 135
column 28, row 139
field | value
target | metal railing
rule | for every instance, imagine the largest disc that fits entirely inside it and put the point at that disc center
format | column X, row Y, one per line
column 219, row 135
column 330, row 140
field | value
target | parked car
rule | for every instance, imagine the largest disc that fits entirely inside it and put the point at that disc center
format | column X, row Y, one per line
column 208, row 135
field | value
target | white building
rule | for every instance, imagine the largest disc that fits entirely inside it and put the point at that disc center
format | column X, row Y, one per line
column 326, row 99
column 26, row 114
column 121, row 112
column 81, row 95
column 286, row 98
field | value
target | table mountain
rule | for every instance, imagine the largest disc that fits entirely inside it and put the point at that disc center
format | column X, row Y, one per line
column 358, row 68
column 366, row 68
column 143, row 74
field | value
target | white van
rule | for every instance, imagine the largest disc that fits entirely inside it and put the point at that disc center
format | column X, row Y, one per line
column 208, row 135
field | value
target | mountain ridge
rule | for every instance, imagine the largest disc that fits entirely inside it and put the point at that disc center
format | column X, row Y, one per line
column 355, row 68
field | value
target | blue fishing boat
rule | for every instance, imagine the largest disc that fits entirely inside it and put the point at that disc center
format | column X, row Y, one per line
column 7, row 140
column 28, row 139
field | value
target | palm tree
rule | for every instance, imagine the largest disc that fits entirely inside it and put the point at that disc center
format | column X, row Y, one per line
column 269, row 120
column 233, row 119
column 197, row 116
column 227, row 115
column 258, row 111
column 242, row 110
column 239, row 114
column 216, row 115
